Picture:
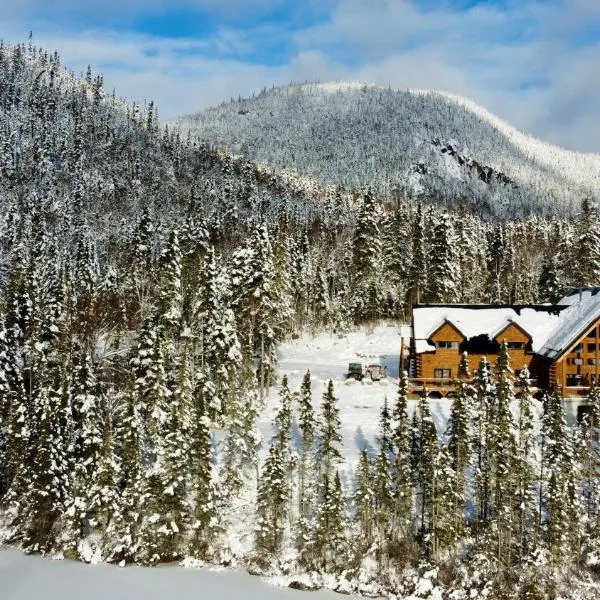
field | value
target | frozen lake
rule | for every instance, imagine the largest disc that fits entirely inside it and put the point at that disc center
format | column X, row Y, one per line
column 35, row 578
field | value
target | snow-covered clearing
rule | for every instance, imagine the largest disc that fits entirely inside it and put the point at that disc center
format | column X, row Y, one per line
column 33, row 577
column 327, row 357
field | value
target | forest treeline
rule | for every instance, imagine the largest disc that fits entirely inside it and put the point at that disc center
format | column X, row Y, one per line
column 146, row 281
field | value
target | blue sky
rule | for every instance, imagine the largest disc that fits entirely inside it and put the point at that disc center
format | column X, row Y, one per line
column 535, row 63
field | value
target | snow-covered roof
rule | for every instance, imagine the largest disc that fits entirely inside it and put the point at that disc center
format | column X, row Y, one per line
column 583, row 310
column 476, row 320
column 553, row 328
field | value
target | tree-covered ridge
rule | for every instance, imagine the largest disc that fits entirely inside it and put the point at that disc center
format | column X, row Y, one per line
column 146, row 282
column 402, row 144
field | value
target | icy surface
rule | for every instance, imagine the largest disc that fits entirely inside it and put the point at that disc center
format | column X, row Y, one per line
column 33, row 577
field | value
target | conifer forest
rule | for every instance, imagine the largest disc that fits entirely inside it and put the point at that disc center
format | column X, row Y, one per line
column 147, row 280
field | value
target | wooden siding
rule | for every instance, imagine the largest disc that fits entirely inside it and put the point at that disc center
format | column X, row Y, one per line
column 579, row 367
column 442, row 358
column 447, row 358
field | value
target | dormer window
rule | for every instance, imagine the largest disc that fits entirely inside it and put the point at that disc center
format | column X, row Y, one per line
column 447, row 345
column 515, row 345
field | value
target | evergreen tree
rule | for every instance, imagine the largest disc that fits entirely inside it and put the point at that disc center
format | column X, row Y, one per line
column 459, row 448
column 306, row 473
column 587, row 248
column 364, row 502
column 330, row 543
column 524, row 467
column 382, row 480
column 483, row 434
column 329, row 440
column 402, row 478
column 444, row 275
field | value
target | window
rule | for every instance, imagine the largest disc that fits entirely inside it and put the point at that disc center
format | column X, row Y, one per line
column 578, row 348
column 592, row 334
column 452, row 345
column 591, row 361
column 591, row 347
column 515, row 345
column 441, row 373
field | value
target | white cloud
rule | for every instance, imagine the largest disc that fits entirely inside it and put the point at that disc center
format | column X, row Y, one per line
column 516, row 61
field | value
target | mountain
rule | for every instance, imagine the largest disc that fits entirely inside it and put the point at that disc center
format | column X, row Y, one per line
column 424, row 145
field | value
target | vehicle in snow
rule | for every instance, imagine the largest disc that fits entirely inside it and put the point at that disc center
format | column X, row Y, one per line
column 376, row 372
column 355, row 371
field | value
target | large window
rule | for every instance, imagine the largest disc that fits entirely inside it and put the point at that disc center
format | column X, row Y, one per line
column 451, row 345
column 442, row 373
column 591, row 347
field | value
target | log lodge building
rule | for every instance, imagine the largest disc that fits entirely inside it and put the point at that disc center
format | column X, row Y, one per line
column 559, row 344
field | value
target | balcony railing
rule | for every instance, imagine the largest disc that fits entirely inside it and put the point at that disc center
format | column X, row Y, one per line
column 432, row 382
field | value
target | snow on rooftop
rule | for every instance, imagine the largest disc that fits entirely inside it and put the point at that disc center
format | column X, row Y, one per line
column 538, row 322
column 582, row 312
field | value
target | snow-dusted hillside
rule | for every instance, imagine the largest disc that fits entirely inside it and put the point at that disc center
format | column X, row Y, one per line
column 426, row 144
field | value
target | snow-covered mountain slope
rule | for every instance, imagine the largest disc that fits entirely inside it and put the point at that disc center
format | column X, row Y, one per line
column 426, row 144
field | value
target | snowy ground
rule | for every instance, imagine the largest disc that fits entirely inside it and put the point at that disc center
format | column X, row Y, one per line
column 33, row 577
column 327, row 357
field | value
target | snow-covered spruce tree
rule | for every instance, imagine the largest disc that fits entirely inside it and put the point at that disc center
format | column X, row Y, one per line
column 171, row 300
column 382, row 476
column 164, row 510
column 205, row 523
column 301, row 276
column 560, row 504
column 329, row 438
column 275, row 484
column 396, row 254
column 417, row 276
column 483, row 433
column 551, row 287
column 364, row 504
column 218, row 338
column 444, row 264
column 149, row 381
column 525, row 502
column 459, row 446
column 41, row 485
column 282, row 282
column 497, row 259
column 93, row 499
column 587, row 246
column 330, row 544
column 367, row 262
column 141, row 266
column 255, row 301
column 588, row 461
column 272, row 503
column 240, row 448
column 14, row 417
column 401, row 468
column 503, row 452
column 322, row 304
column 425, row 477
column 306, row 470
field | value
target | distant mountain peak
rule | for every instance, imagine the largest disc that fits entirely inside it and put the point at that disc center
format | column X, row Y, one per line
column 357, row 134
